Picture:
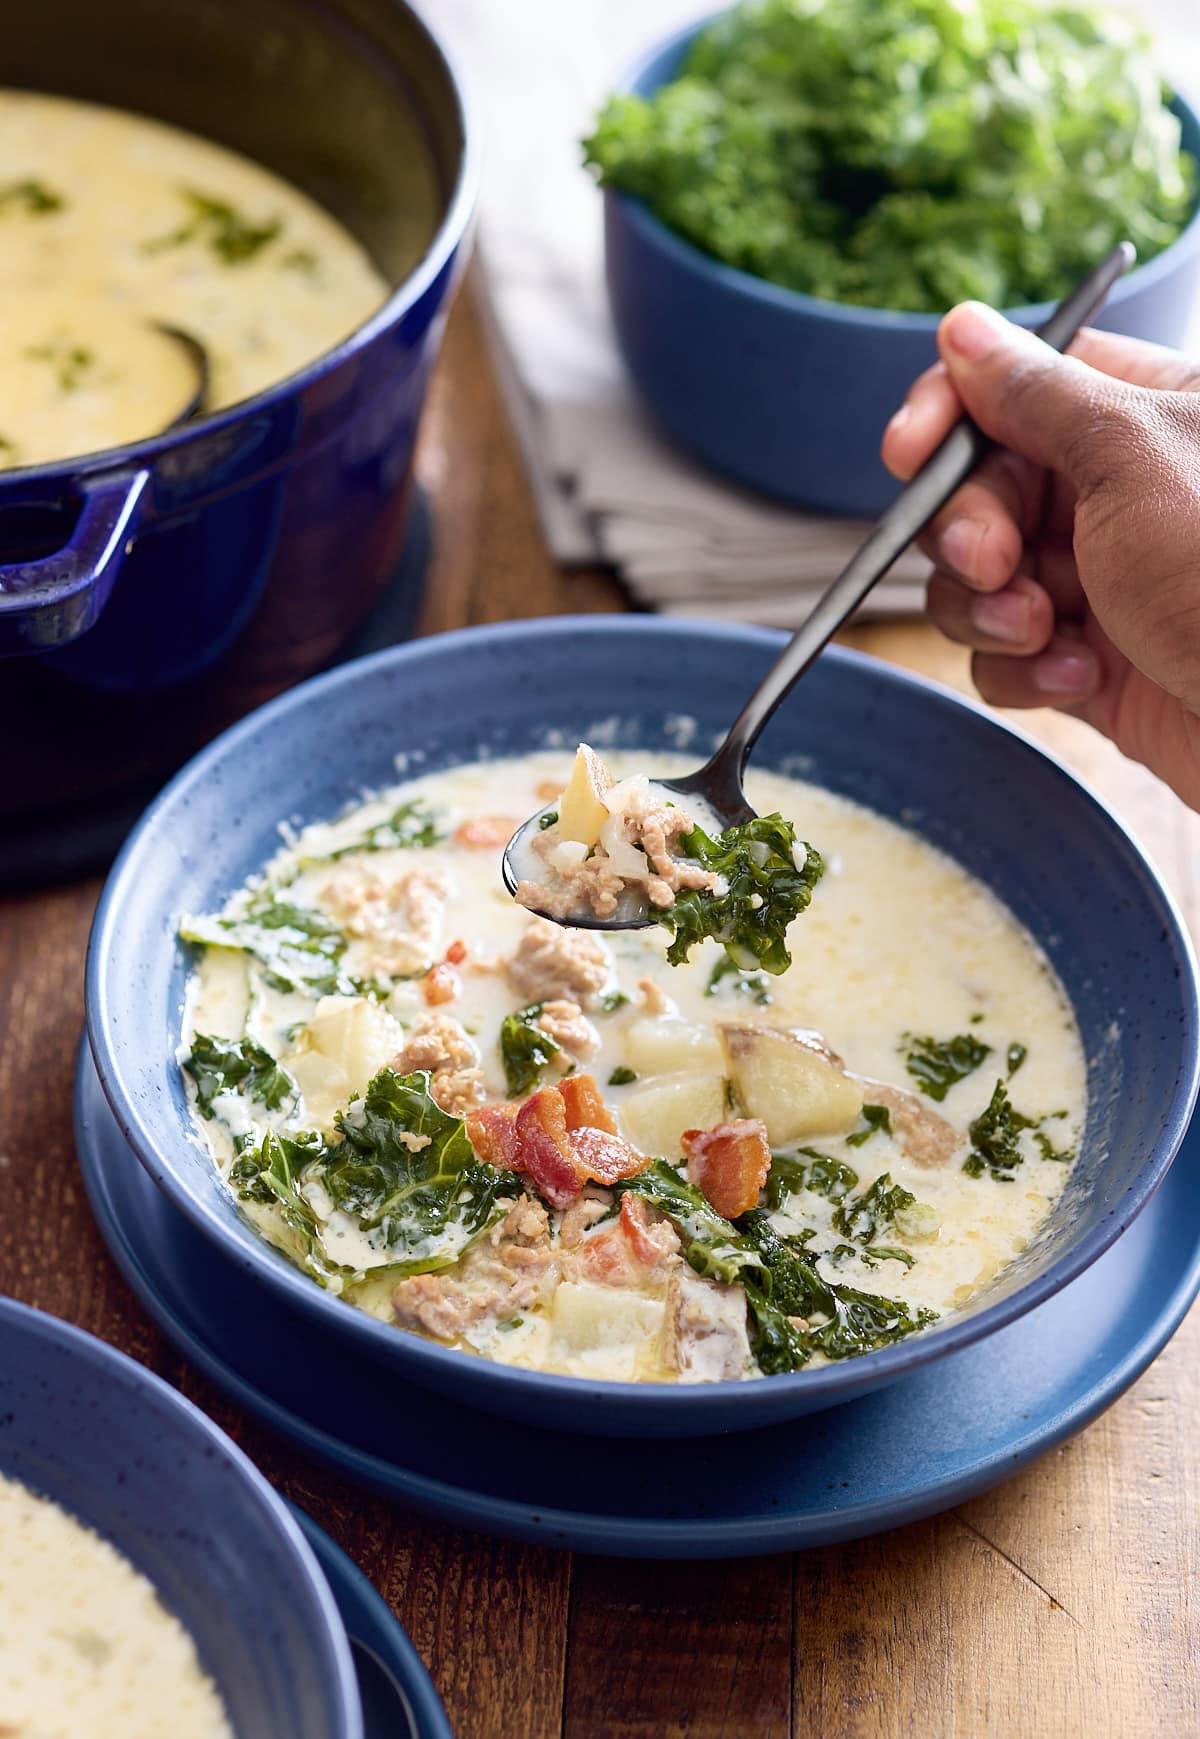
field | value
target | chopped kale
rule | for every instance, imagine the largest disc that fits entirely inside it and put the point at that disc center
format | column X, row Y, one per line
column 827, row 1176
column 875, row 1118
column 525, row 1049
column 871, row 1254
column 406, row 1170
column 769, row 879
column 268, row 1173
column 613, row 1000
column 413, row 824
column 996, row 1138
column 621, row 1076
column 748, row 984
column 712, row 1245
column 937, row 1064
column 71, row 362
column 1014, row 1057
column 236, row 1065
column 31, row 196
column 300, row 948
column 864, row 1217
column 232, row 237
column 548, row 820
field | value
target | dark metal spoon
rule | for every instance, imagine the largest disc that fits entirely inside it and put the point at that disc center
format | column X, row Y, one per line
column 719, row 782
column 197, row 356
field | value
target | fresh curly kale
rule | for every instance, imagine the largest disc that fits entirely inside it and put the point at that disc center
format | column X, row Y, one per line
column 875, row 1119
column 299, row 948
column 270, row 1174
column 864, row 1217
column 818, row 1172
column 236, row 1065
column 996, row 1138
column 526, row 1049
column 413, row 824
column 768, row 878
column 908, row 154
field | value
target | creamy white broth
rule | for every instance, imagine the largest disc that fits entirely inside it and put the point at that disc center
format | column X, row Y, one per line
column 897, row 939
column 111, row 223
column 86, row 1646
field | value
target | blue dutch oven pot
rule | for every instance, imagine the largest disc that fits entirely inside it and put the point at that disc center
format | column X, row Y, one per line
column 150, row 593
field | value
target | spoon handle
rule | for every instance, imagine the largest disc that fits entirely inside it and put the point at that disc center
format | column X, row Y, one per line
column 909, row 514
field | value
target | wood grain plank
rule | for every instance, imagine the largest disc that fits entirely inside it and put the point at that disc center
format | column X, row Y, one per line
column 657, row 1650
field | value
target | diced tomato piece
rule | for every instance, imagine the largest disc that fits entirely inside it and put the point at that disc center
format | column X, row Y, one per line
column 585, row 1108
column 729, row 1163
column 492, row 1132
column 636, row 1225
column 545, row 1151
column 484, row 832
column 606, row 1258
column 606, row 1158
column 456, row 953
column 548, row 789
column 440, row 984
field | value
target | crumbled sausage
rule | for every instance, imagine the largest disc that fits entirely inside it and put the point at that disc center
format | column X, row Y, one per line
column 439, row 1044
column 510, row 1268
column 401, row 920
column 551, row 962
column 567, row 1025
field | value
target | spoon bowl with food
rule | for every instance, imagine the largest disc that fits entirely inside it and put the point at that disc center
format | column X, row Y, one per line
column 691, row 853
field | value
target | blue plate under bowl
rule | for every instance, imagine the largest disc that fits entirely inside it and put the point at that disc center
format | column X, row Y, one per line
column 935, row 1438
column 982, row 793
column 117, row 1447
column 788, row 393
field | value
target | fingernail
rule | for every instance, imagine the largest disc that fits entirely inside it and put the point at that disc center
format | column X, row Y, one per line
column 973, row 330
column 902, row 416
column 1065, row 673
column 959, row 545
column 1006, row 616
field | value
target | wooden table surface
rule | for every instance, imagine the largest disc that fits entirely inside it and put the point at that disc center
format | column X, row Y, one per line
column 1063, row 1603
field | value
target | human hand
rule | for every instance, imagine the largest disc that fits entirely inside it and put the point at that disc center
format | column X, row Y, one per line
column 1070, row 561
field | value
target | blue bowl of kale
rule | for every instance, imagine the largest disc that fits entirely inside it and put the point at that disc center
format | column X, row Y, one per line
column 980, row 792
column 795, row 195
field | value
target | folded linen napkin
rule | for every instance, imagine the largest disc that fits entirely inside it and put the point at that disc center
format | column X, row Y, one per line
column 609, row 487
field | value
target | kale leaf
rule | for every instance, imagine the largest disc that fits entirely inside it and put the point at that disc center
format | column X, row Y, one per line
column 622, row 1076
column 765, row 888
column 269, row 1174
column 712, row 1245
column 525, row 1049
column 863, row 1217
column 231, row 236
column 751, row 985
column 871, row 1254
column 229, row 1065
column 406, row 1170
column 300, row 948
column 875, row 1118
column 907, row 154
column 937, row 1064
column 996, row 1138
column 1014, row 1057
column 412, row 825
column 825, row 1176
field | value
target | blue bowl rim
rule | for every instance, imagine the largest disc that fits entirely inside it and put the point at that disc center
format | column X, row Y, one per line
column 453, row 226
column 638, row 214
column 710, row 1402
column 119, row 1367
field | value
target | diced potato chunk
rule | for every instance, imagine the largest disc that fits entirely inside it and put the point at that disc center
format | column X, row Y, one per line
column 655, row 1117
column 357, row 1035
column 795, row 1087
column 663, row 1045
column 587, row 1317
column 581, row 809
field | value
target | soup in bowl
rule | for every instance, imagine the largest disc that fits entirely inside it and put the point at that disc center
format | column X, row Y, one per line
column 565, row 1177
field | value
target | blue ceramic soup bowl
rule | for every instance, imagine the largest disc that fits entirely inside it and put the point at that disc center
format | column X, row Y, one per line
column 188, row 577
column 790, row 394
column 905, row 748
column 115, row 1446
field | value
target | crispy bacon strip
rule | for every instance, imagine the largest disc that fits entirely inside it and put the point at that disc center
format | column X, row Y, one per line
column 729, row 1163
column 560, row 1160
column 492, row 1132
column 585, row 1108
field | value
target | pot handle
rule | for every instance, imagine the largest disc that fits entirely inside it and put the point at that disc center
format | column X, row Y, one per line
column 53, row 599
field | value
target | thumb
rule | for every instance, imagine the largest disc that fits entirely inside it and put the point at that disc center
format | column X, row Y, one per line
column 1052, row 409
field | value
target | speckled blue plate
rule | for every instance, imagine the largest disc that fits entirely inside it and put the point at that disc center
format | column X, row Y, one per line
column 932, row 1439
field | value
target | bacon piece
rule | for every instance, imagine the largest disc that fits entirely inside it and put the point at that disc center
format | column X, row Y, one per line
column 456, row 953
column 486, row 832
column 638, row 1249
column 585, row 1108
column 729, row 1163
column 492, row 1132
column 652, row 1237
column 440, row 984
column 560, row 1160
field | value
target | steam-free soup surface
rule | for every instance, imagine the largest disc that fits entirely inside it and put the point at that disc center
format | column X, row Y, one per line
column 112, row 224
column 916, row 1075
column 87, row 1649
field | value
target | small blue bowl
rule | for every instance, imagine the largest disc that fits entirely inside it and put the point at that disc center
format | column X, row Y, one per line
column 905, row 748
column 790, row 394
column 117, row 1447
